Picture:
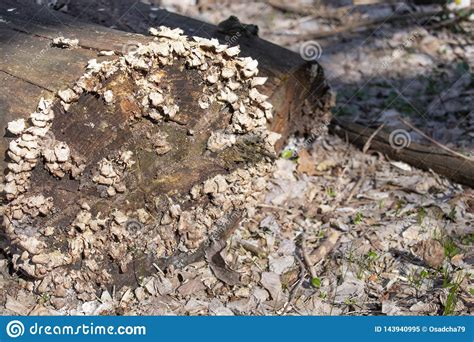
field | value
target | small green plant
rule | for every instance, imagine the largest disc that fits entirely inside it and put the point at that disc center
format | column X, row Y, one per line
column 350, row 301
column 370, row 259
column 468, row 239
column 424, row 274
column 288, row 154
column 450, row 248
column 381, row 204
column 331, row 192
column 421, row 215
column 320, row 235
column 397, row 101
column 350, row 256
column 399, row 206
column 358, row 218
column 451, row 300
column 416, row 279
column 362, row 95
column 444, row 273
column 44, row 298
column 316, row 282
column 372, row 256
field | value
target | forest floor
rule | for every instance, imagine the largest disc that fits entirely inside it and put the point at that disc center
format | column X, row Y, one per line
column 340, row 232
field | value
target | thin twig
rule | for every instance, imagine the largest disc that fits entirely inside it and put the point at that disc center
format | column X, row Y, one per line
column 356, row 186
column 372, row 136
column 307, row 258
column 158, row 268
column 295, row 288
column 274, row 207
column 444, row 147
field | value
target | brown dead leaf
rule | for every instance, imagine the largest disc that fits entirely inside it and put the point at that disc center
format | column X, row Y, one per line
column 218, row 264
column 326, row 246
column 431, row 251
column 457, row 260
column 373, row 278
column 306, row 164
column 191, row 286
column 289, row 278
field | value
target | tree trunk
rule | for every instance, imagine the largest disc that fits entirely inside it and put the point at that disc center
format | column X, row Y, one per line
column 78, row 232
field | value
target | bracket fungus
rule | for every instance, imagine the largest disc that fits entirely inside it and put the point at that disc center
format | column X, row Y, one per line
column 68, row 247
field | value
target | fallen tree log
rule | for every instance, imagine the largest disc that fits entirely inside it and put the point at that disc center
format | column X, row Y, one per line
column 142, row 157
column 460, row 170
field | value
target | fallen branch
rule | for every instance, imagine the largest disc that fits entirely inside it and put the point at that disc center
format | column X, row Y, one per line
column 369, row 23
column 273, row 207
column 457, row 168
column 446, row 148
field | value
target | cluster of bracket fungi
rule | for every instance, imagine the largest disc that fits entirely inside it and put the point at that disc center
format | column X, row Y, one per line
column 93, row 240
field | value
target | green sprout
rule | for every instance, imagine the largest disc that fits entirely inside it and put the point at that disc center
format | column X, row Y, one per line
column 290, row 154
column 450, row 248
column 451, row 300
column 421, row 215
column 331, row 192
column 372, row 256
column 316, row 282
column 358, row 218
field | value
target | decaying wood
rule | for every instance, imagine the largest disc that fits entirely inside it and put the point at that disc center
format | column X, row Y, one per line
column 31, row 68
column 29, row 57
column 425, row 157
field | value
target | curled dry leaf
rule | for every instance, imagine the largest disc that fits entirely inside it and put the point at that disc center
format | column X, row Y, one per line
column 306, row 164
column 218, row 265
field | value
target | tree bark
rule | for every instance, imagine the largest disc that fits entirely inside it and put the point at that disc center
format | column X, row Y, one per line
column 31, row 68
